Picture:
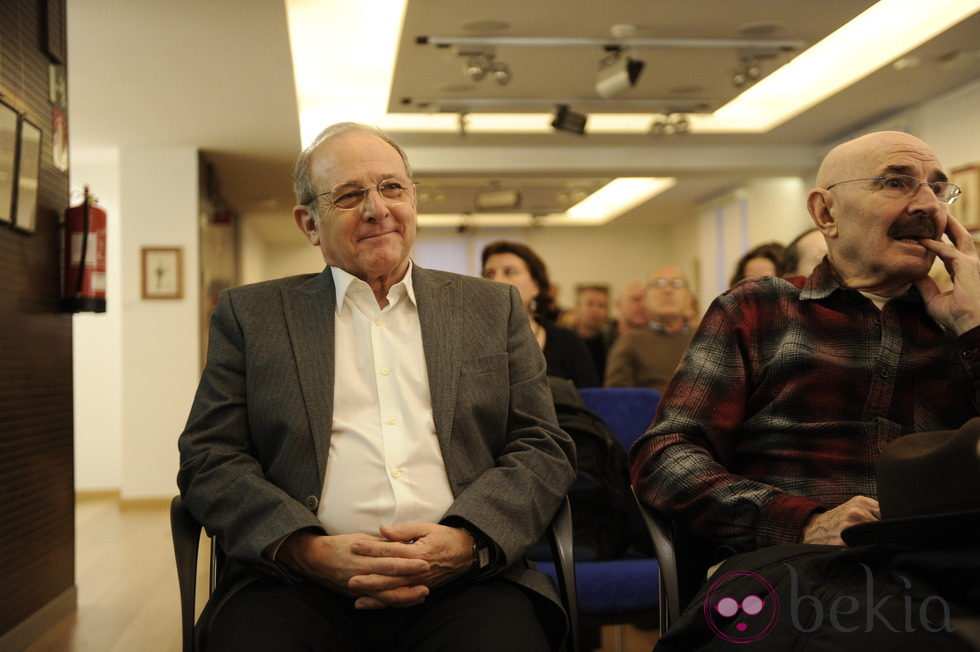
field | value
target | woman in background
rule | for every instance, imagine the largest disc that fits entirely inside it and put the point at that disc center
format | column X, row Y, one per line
column 565, row 352
column 763, row 260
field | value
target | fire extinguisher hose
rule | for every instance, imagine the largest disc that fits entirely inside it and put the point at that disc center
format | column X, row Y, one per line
column 80, row 277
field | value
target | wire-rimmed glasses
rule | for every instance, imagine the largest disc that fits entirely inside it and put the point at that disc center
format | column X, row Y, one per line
column 348, row 197
column 901, row 185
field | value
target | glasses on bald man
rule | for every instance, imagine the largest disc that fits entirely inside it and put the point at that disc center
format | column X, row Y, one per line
column 903, row 185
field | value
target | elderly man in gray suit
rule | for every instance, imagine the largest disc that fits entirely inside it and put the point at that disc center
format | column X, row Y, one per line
column 375, row 446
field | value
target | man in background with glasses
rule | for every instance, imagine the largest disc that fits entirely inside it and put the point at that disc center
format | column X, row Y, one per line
column 647, row 357
column 770, row 429
column 375, row 446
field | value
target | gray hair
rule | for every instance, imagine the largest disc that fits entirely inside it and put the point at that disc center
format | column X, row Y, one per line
column 303, row 186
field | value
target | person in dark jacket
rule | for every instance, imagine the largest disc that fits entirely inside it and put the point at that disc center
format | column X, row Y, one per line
column 564, row 351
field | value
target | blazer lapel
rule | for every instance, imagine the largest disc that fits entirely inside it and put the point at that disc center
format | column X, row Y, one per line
column 439, row 307
column 309, row 312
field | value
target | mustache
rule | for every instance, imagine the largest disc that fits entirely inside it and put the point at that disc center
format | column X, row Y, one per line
column 916, row 226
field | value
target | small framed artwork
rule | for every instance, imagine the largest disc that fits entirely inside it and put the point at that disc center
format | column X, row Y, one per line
column 163, row 272
column 28, row 176
column 967, row 207
column 8, row 161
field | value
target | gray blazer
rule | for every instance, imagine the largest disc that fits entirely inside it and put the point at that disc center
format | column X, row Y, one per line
column 253, row 452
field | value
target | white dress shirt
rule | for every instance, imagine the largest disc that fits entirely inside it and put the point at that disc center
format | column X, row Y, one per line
column 385, row 464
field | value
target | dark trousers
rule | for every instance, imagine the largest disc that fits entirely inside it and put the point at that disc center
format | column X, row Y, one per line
column 487, row 616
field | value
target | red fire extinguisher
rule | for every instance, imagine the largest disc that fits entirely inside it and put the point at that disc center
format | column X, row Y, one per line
column 85, row 252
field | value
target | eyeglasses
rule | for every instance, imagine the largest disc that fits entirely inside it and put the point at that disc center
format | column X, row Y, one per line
column 902, row 185
column 348, row 198
column 668, row 282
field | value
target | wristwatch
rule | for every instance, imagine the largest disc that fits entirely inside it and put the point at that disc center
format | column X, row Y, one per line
column 483, row 551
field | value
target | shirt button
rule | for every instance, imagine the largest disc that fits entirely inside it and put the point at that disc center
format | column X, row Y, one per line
column 392, row 421
column 396, row 473
column 966, row 355
column 312, row 502
column 385, row 371
column 883, row 373
column 377, row 322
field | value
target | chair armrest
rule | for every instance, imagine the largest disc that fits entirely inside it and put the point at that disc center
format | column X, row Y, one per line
column 661, row 532
column 186, row 534
column 561, row 542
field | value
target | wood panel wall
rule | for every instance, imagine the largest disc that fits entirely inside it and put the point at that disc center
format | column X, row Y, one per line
column 37, row 523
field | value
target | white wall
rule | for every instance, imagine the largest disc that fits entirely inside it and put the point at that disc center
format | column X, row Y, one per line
column 137, row 365
column 159, row 202
column 763, row 210
column 951, row 126
column 96, row 337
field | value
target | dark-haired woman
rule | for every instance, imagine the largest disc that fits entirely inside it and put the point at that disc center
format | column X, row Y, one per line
column 565, row 352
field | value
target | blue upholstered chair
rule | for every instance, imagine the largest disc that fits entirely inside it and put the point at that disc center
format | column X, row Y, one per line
column 617, row 591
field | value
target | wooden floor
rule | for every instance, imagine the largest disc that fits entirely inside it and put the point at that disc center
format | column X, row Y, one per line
column 127, row 585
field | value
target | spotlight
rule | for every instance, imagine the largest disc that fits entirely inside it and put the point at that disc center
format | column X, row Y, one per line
column 748, row 73
column 500, row 72
column 617, row 72
column 670, row 125
column 568, row 120
column 475, row 67
column 479, row 63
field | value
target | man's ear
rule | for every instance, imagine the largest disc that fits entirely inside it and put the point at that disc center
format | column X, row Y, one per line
column 307, row 223
column 820, row 204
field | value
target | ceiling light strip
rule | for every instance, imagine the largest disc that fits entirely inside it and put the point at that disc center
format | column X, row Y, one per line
column 882, row 33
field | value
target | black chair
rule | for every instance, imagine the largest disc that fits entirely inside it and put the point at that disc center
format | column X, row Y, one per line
column 186, row 533
column 684, row 562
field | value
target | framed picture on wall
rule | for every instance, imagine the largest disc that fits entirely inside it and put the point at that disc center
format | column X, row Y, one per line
column 28, row 176
column 8, row 161
column 967, row 207
column 163, row 272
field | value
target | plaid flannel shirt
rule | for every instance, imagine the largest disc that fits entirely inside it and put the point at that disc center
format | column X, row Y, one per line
column 786, row 397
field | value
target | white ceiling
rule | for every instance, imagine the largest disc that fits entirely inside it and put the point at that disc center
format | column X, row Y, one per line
column 217, row 74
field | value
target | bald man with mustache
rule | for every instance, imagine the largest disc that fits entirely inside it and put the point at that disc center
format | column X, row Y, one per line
column 770, row 429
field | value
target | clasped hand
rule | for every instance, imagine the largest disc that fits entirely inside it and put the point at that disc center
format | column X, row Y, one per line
column 395, row 571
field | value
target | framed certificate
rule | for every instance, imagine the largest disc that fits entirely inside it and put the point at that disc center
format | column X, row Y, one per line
column 163, row 272
column 8, row 161
column 28, row 176
column 967, row 207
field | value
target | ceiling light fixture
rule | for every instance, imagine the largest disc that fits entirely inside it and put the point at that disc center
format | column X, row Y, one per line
column 500, row 72
column 872, row 39
column 497, row 198
column 748, row 72
column 476, row 67
column 670, row 124
column 481, row 62
column 619, row 196
column 617, row 72
column 567, row 120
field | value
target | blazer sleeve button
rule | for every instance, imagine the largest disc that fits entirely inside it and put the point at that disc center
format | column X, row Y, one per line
column 312, row 502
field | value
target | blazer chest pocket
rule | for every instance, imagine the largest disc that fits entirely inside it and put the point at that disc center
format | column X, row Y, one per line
column 496, row 362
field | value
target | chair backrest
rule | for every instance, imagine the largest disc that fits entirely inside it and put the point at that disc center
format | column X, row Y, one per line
column 628, row 411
